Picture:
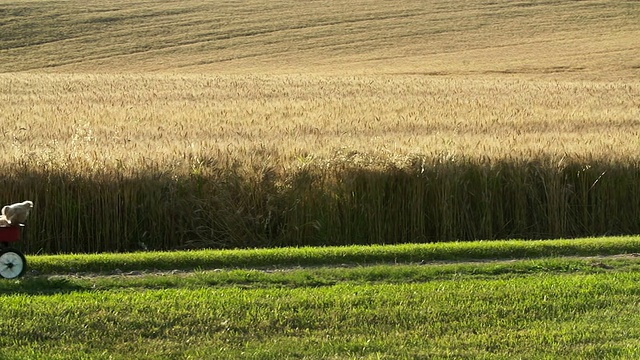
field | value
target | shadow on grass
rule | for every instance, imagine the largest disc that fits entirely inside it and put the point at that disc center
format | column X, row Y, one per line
column 38, row 286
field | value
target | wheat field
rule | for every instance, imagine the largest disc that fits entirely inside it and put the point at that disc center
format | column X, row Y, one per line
column 266, row 123
column 86, row 122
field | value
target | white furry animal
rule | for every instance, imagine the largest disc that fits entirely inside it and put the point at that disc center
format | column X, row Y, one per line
column 17, row 213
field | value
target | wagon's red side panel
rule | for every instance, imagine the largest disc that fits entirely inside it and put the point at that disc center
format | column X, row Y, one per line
column 9, row 233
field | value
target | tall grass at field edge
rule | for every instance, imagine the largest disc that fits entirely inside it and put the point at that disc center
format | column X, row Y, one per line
column 428, row 200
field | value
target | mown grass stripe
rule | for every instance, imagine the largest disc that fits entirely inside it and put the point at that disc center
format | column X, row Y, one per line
column 335, row 255
column 318, row 276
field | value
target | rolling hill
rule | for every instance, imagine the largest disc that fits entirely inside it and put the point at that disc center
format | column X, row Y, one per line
column 592, row 39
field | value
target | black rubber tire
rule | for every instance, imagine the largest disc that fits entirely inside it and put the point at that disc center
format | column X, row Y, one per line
column 13, row 264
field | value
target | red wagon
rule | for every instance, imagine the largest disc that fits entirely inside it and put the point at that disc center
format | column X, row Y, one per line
column 12, row 262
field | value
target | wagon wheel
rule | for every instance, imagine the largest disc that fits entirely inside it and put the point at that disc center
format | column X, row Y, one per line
column 12, row 263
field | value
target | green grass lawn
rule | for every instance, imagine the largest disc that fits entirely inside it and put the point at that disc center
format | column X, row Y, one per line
column 497, row 300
